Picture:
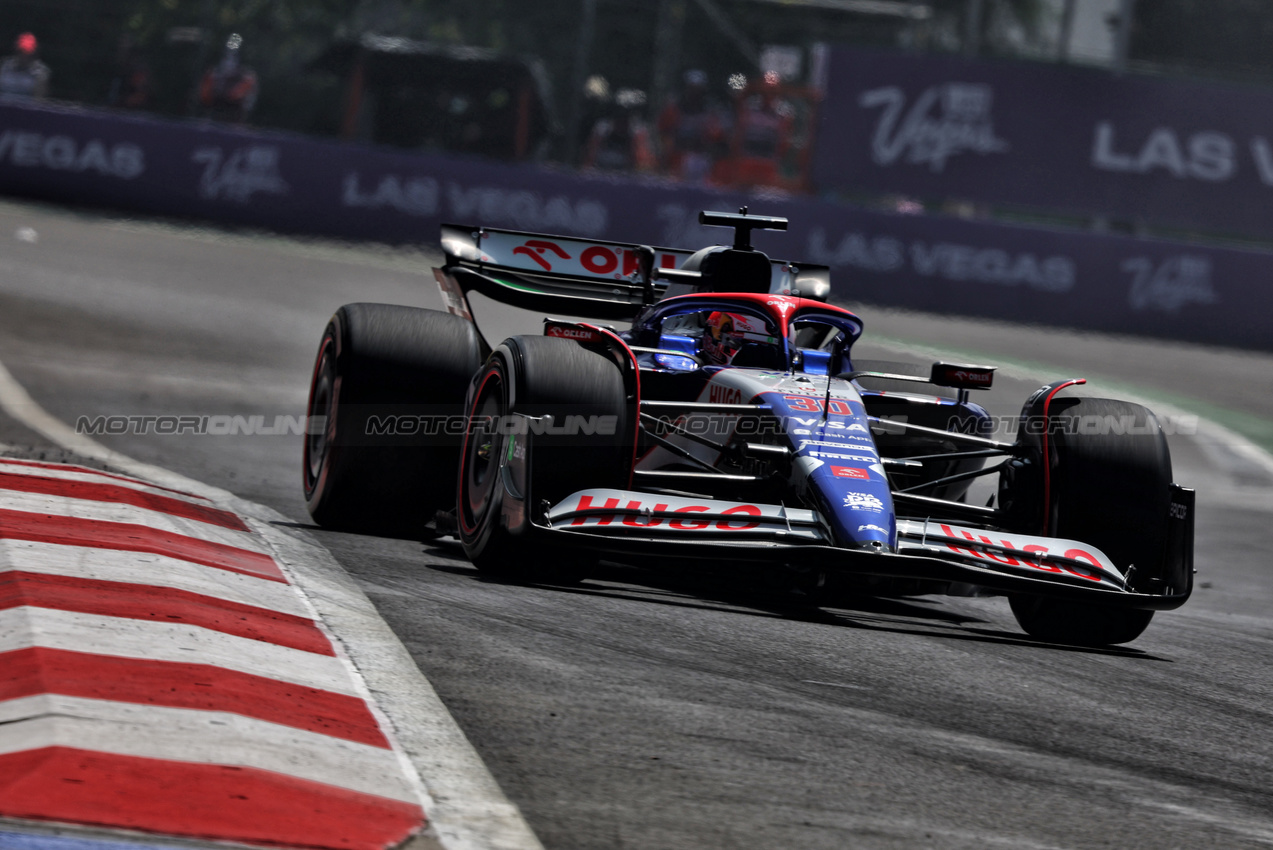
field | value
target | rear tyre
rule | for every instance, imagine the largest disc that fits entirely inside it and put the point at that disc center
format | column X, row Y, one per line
column 538, row 376
column 1112, row 490
column 377, row 362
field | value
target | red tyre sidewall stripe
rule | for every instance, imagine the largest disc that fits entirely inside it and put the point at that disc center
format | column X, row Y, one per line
column 309, row 407
column 464, row 452
column 1047, row 456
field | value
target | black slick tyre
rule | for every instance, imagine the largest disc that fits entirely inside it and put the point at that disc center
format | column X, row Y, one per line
column 385, row 411
column 535, row 376
column 1112, row 490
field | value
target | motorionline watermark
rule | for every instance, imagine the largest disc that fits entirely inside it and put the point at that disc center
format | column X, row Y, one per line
column 214, row 425
column 374, row 424
column 369, row 425
column 1088, row 424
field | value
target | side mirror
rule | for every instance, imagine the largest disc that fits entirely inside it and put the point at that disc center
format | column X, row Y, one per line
column 962, row 377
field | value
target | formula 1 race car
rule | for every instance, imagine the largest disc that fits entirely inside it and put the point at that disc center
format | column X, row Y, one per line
column 727, row 425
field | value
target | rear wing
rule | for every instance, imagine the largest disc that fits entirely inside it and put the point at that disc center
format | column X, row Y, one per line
column 584, row 277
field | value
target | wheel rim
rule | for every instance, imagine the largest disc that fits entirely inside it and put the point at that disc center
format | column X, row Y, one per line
column 321, row 403
column 482, row 446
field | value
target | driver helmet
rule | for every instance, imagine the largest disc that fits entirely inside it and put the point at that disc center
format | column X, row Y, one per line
column 726, row 333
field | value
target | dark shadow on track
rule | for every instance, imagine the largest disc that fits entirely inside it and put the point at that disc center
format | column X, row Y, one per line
column 709, row 592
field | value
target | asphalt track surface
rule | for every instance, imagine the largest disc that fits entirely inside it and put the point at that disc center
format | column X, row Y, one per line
column 653, row 711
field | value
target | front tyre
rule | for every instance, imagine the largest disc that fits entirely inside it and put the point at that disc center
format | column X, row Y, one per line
column 1111, row 488
column 535, row 377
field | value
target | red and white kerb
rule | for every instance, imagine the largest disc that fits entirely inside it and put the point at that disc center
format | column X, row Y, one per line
column 159, row 673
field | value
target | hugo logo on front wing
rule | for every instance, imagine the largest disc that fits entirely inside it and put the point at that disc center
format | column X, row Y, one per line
column 1039, row 563
column 638, row 513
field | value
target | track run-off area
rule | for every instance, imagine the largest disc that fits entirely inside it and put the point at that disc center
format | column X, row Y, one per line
column 646, row 710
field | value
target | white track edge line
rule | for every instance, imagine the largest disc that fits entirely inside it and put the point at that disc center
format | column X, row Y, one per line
column 466, row 808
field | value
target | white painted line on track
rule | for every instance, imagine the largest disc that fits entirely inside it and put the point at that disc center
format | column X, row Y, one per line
column 16, row 402
column 142, row 568
column 72, row 631
column 465, row 806
column 201, row 737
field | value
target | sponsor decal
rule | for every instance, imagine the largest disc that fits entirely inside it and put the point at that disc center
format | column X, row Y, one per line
column 850, row 472
column 563, row 255
column 828, row 425
column 640, row 513
column 862, row 502
column 872, row 528
column 806, row 432
column 950, row 374
column 717, row 394
column 1041, row 563
column 809, row 404
column 410, row 195
column 64, row 153
column 1168, row 286
column 946, row 120
column 237, row 177
column 833, row 445
column 973, row 377
column 536, row 249
column 842, row 456
column 621, row 263
column 574, row 332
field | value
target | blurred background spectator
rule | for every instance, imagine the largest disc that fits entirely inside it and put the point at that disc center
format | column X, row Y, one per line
column 23, row 75
column 621, row 140
column 229, row 89
column 130, row 86
column 761, row 138
column 692, row 130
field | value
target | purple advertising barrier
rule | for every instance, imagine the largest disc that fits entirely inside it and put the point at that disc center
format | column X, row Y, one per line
column 1171, row 152
column 299, row 185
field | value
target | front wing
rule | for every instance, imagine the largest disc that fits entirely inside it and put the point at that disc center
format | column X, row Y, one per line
column 626, row 525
